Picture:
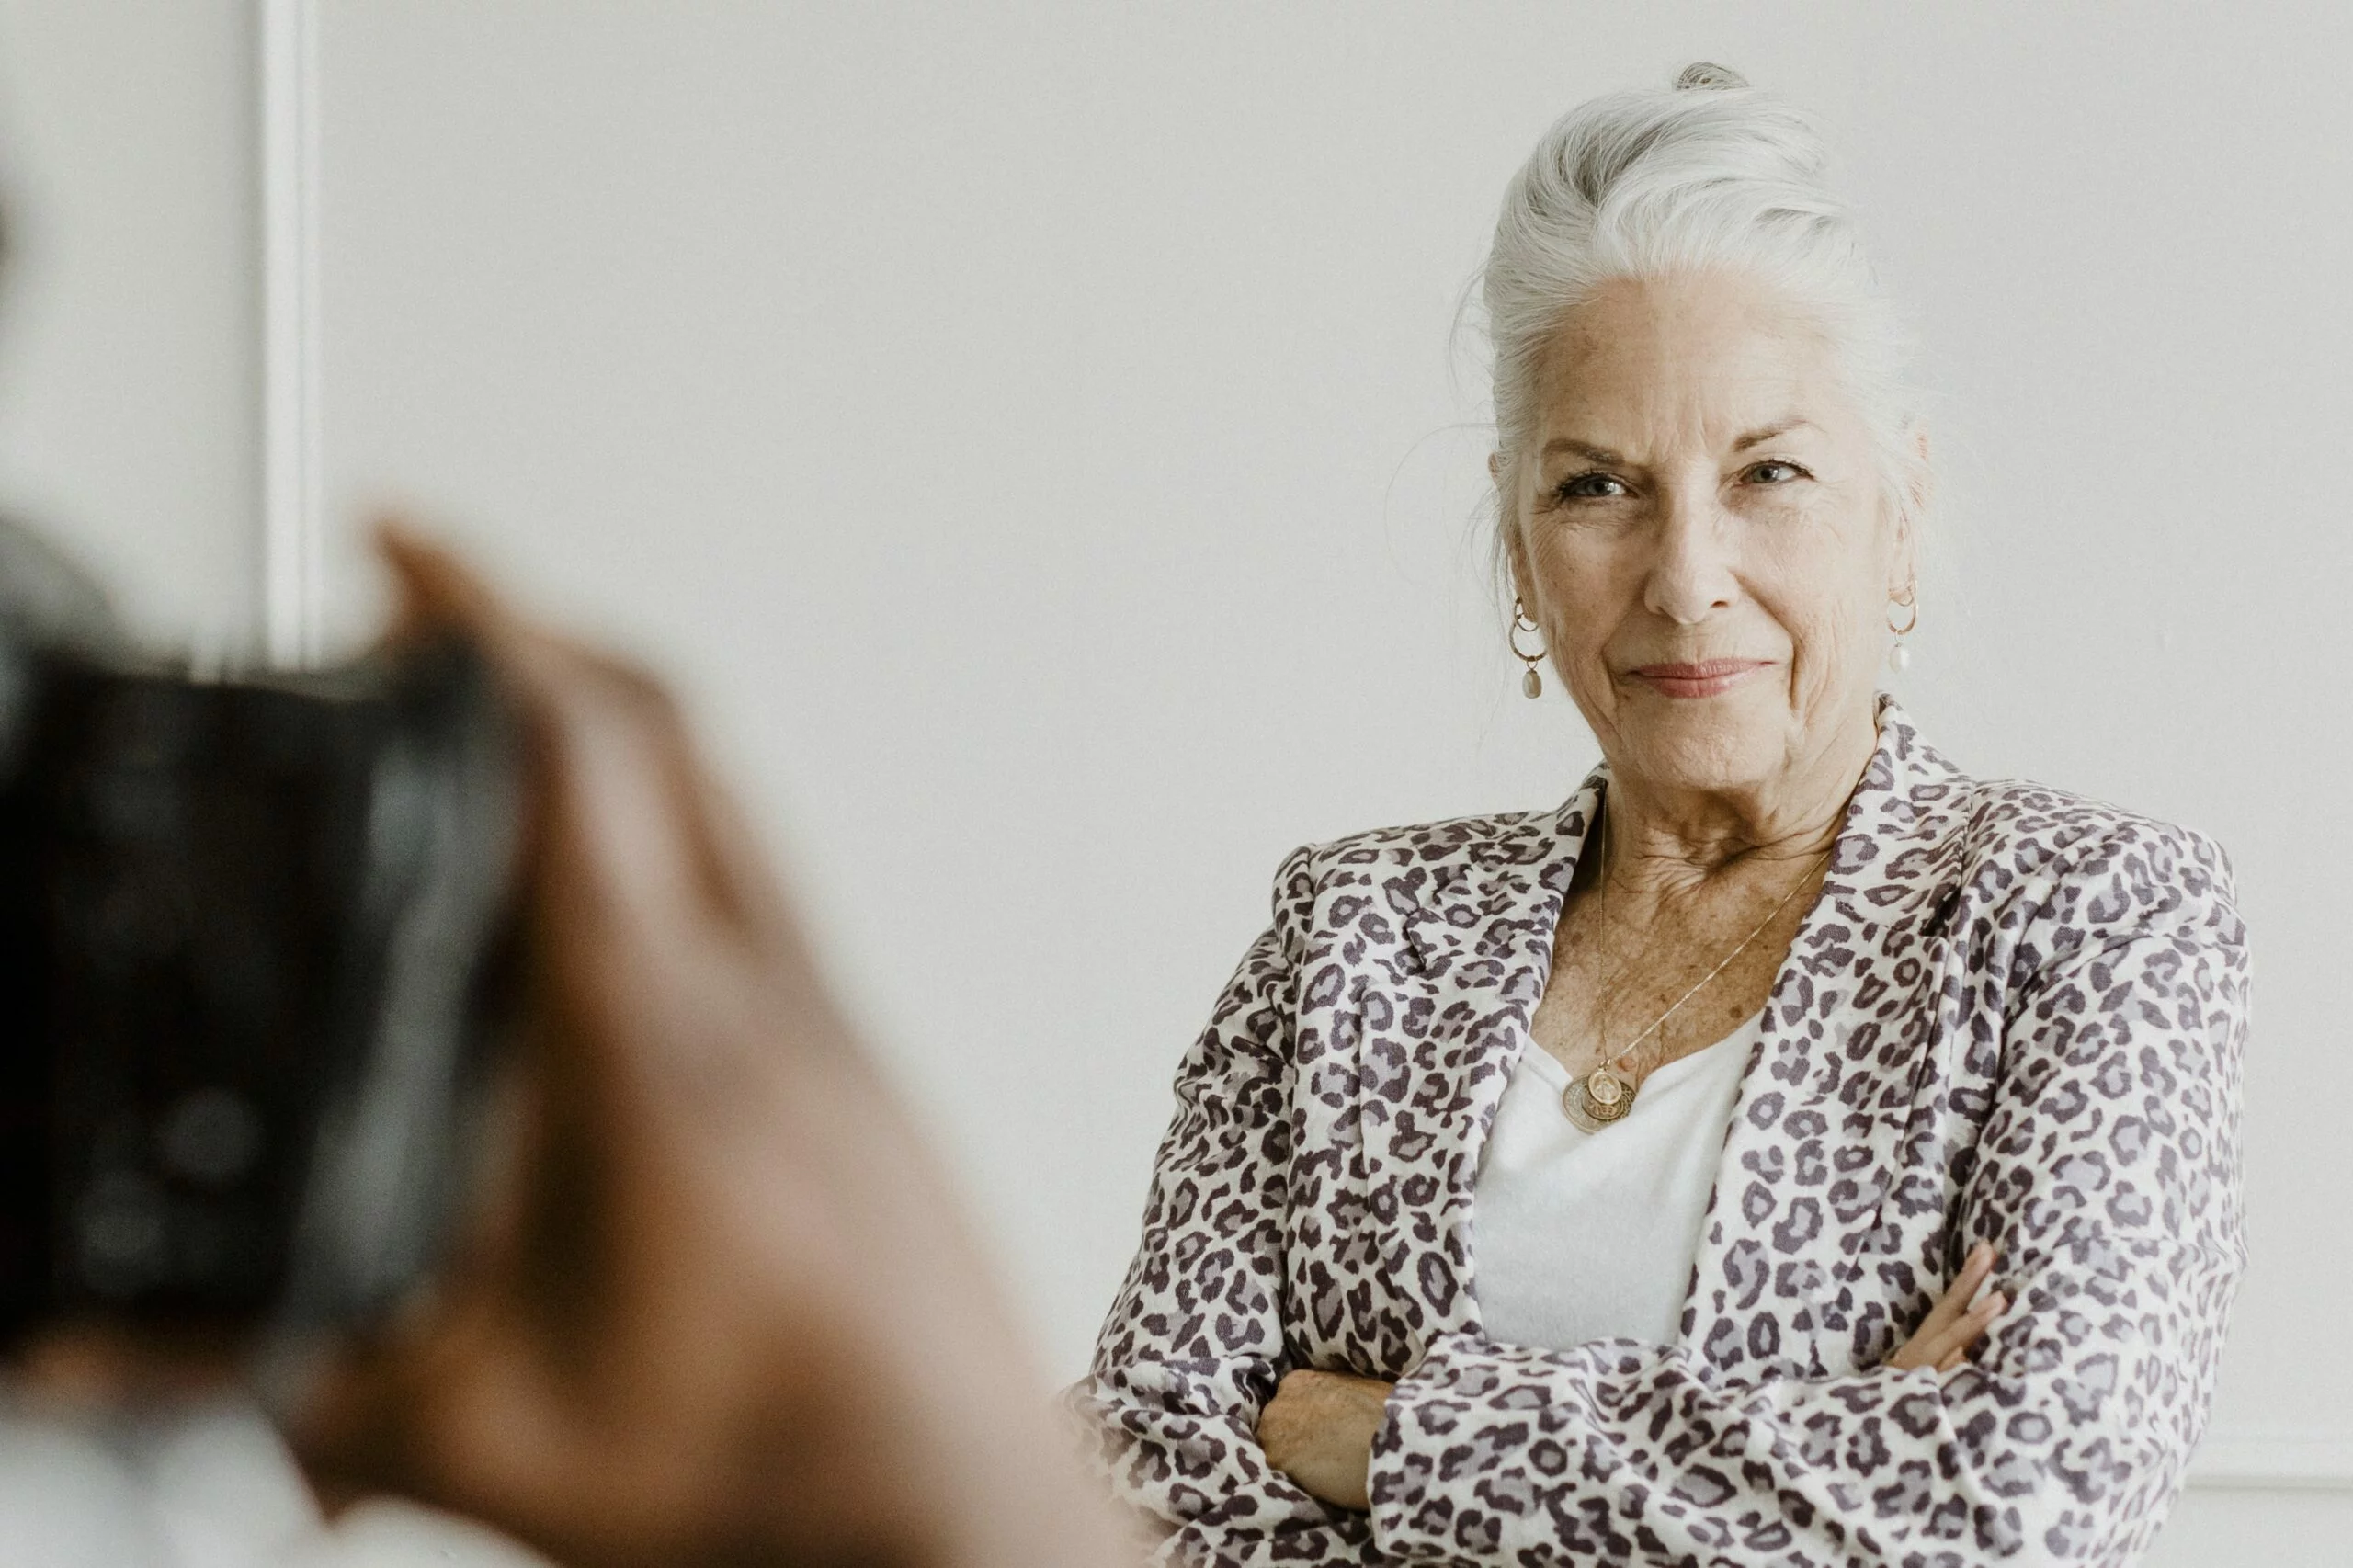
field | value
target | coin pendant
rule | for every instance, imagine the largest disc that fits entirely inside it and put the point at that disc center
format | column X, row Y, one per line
column 1596, row 1100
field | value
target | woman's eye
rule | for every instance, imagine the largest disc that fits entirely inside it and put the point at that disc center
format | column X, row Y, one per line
column 1590, row 486
column 1772, row 470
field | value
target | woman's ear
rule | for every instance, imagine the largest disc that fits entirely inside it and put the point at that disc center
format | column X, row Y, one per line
column 1923, row 477
column 1919, row 494
column 1522, row 579
column 1515, row 547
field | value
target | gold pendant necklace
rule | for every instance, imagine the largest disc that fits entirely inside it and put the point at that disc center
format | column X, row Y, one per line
column 1598, row 1098
column 1606, row 1096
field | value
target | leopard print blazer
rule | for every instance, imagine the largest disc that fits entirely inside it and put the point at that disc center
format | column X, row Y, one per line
column 2012, row 1014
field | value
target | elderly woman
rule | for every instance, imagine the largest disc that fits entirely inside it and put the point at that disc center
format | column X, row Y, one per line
column 1792, row 1150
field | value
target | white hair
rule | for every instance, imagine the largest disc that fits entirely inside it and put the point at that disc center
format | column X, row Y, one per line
column 1710, row 174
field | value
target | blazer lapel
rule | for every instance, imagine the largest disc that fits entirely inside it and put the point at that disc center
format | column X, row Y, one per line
column 1438, row 1015
column 1851, row 1031
column 1476, row 916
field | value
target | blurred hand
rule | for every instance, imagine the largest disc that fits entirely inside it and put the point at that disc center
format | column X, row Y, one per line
column 719, row 1307
column 1318, row 1429
column 1952, row 1328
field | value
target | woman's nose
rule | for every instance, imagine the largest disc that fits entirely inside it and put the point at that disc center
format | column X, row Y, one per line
column 1690, row 572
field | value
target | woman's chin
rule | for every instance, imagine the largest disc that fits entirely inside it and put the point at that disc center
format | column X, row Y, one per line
column 1705, row 752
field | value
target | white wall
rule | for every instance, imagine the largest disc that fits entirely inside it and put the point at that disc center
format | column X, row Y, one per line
column 127, row 321
column 1029, row 434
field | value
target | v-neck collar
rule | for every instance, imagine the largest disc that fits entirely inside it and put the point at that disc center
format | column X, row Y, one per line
column 1556, row 1076
column 1481, row 935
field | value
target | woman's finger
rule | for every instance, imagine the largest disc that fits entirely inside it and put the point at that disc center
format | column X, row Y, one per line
column 1955, row 1299
column 1952, row 1323
column 1957, row 1340
column 1954, row 1302
column 1963, row 1331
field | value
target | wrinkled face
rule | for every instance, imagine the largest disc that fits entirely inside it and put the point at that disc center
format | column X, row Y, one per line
column 1703, row 535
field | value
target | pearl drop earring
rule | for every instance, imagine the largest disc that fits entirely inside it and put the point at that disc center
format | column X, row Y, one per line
column 1530, row 683
column 1899, row 658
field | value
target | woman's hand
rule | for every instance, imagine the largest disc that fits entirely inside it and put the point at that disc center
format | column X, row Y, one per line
column 1318, row 1430
column 1945, row 1337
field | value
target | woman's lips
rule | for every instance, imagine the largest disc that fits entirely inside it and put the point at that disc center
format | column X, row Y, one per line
column 1705, row 678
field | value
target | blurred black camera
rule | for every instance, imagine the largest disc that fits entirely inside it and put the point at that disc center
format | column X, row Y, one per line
column 257, row 944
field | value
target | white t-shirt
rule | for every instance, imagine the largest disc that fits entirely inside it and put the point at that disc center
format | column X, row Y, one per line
column 1579, row 1236
column 209, row 1487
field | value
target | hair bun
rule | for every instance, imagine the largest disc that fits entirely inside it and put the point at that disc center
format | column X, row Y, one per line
column 1706, row 73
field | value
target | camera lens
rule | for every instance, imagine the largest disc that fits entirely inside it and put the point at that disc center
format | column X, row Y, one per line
column 210, row 1137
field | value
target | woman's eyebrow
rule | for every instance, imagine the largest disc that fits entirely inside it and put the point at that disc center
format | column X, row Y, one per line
column 1592, row 453
column 1765, row 433
column 1583, row 448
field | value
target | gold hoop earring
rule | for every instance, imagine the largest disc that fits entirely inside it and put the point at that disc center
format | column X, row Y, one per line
column 1899, row 658
column 1530, row 683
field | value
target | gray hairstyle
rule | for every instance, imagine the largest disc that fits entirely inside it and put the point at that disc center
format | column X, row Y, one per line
column 1710, row 174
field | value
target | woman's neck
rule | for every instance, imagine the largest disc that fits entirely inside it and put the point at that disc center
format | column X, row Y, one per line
column 1662, row 837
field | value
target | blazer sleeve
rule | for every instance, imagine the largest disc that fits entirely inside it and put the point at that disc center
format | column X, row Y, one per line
column 1193, row 1347
column 2106, row 1173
